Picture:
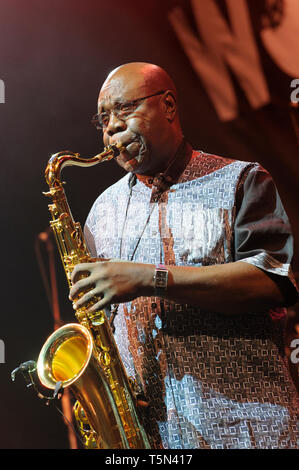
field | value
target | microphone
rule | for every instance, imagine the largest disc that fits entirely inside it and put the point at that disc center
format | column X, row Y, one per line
column 28, row 366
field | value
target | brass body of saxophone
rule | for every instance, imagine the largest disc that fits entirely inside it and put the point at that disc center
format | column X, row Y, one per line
column 84, row 355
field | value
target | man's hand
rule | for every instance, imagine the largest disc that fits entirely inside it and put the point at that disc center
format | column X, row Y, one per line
column 111, row 281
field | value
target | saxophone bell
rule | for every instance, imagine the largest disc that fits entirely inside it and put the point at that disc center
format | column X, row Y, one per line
column 68, row 360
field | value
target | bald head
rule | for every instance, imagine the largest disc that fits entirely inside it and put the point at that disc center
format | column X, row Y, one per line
column 145, row 77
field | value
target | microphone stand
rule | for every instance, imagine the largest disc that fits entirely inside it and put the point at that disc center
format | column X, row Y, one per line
column 52, row 294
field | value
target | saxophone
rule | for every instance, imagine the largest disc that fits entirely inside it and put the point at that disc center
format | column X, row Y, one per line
column 83, row 356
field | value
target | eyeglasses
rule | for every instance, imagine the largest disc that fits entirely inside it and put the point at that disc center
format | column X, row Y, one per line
column 120, row 110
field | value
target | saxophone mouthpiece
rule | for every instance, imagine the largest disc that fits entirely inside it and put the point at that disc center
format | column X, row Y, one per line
column 110, row 152
column 118, row 149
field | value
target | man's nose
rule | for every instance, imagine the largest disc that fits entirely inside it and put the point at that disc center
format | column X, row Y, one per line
column 115, row 125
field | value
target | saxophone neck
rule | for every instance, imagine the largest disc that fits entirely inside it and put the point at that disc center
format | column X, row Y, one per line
column 60, row 160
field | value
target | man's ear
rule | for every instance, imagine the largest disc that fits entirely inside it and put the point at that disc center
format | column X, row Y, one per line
column 170, row 105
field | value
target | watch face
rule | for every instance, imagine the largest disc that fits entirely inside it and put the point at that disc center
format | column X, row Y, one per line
column 161, row 278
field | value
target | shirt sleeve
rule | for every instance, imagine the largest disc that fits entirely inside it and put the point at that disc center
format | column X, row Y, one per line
column 90, row 242
column 90, row 230
column 263, row 235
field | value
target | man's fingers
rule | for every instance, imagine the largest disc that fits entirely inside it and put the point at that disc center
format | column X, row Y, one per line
column 81, row 269
column 80, row 286
column 85, row 299
column 100, row 305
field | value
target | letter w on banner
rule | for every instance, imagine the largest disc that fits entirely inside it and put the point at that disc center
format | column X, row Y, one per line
column 223, row 44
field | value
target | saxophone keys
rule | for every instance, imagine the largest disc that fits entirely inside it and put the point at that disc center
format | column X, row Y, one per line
column 104, row 358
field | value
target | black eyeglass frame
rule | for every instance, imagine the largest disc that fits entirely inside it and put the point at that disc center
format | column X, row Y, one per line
column 96, row 121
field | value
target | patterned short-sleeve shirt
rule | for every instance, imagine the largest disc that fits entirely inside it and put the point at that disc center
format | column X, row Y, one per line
column 213, row 381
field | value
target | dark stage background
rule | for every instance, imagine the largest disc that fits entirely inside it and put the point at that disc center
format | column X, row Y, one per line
column 54, row 55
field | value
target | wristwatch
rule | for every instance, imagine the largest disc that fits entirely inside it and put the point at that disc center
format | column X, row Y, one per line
column 160, row 280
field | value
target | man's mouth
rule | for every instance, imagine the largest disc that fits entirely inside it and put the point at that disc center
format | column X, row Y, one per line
column 132, row 154
column 133, row 148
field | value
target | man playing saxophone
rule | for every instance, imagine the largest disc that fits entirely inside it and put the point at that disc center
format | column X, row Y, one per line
column 195, row 249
